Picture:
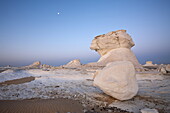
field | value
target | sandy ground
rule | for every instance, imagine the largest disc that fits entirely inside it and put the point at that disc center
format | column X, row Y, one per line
column 76, row 84
column 41, row 106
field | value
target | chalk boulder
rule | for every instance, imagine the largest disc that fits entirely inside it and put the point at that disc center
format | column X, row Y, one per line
column 168, row 68
column 114, row 46
column 73, row 64
column 117, row 79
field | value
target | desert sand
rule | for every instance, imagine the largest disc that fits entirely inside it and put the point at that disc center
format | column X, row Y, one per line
column 40, row 106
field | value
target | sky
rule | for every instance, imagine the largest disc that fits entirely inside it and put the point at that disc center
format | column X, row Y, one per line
column 32, row 30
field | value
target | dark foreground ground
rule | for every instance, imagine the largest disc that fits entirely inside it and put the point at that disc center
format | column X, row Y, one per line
column 50, row 106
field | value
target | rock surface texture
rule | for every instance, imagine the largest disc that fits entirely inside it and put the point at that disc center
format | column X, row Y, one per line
column 114, row 46
column 117, row 79
column 73, row 64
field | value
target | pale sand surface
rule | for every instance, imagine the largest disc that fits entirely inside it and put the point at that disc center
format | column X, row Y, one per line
column 40, row 106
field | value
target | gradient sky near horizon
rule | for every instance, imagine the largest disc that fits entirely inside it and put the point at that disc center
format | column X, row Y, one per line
column 32, row 30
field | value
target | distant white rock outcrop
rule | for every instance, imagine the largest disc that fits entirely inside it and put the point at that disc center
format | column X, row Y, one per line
column 148, row 63
column 73, row 64
column 117, row 79
column 34, row 65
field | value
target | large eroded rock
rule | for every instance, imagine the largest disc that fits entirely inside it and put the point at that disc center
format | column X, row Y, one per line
column 117, row 79
column 114, row 46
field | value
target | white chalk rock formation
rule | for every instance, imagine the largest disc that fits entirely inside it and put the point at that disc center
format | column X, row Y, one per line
column 73, row 64
column 148, row 63
column 114, row 46
column 117, row 79
column 35, row 65
column 147, row 110
column 163, row 70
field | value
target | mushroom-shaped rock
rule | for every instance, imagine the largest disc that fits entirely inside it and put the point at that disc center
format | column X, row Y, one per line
column 114, row 46
column 73, row 64
column 148, row 63
column 117, row 79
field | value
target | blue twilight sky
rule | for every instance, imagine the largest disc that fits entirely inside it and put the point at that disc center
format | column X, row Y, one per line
column 31, row 30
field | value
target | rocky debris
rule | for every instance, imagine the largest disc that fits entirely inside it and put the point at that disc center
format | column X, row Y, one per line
column 147, row 110
column 164, row 69
column 45, row 66
column 114, row 46
column 73, row 64
column 98, row 109
column 117, row 79
column 168, row 68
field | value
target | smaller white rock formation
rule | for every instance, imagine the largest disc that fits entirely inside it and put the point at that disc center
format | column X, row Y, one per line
column 36, row 64
column 148, row 63
column 33, row 65
column 73, row 64
column 147, row 110
column 163, row 70
column 117, row 79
